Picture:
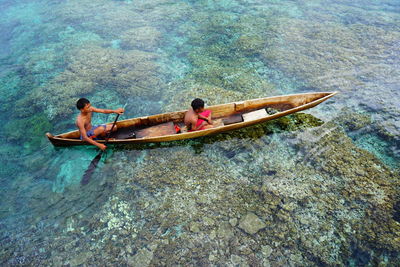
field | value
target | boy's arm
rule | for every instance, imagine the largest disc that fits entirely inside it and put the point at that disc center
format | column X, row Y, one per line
column 108, row 111
column 194, row 122
column 82, row 131
column 208, row 119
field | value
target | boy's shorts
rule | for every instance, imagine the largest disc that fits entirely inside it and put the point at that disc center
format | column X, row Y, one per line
column 90, row 133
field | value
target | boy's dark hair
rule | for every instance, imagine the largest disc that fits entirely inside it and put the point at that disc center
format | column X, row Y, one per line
column 197, row 103
column 81, row 103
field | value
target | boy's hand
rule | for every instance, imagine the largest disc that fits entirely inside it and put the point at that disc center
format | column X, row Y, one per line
column 102, row 147
column 119, row 111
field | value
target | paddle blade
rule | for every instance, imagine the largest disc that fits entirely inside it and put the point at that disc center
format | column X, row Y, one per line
column 90, row 170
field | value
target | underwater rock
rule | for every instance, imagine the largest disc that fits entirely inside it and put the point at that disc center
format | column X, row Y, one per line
column 233, row 222
column 266, row 251
column 225, row 231
column 239, row 261
column 212, row 257
column 251, row 224
column 266, row 263
column 194, row 227
column 142, row 258
column 208, row 221
column 81, row 258
column 213, row 234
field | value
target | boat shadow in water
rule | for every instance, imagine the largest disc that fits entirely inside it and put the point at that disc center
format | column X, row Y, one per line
column 293, row 122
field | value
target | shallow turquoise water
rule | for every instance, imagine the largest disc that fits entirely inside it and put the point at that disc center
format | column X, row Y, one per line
column 325, row 184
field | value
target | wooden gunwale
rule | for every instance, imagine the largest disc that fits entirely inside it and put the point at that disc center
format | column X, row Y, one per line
column 218, row 112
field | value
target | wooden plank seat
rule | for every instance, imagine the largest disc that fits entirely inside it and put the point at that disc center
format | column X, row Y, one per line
column 235, row 118
column 218, row 122
column 254, row 115
column 166, row 128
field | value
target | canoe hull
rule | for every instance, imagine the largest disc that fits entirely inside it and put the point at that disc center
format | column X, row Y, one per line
column 300, row 102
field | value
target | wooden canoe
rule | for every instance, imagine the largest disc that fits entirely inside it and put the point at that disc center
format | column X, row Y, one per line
column 232, row 116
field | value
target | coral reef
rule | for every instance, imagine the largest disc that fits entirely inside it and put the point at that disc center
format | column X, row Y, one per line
column 288, row 205
column 354, row 59
column 110, row 21
column 368, row 187
column 113, row 18
column 224, row 51
column 93, row 68
column 142, row 38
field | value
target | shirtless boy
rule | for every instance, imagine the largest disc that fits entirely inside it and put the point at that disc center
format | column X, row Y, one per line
column 84, row 123
column 197, row 118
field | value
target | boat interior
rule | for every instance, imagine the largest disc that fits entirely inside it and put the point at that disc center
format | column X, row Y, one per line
column 176, row 126
column 225, row 114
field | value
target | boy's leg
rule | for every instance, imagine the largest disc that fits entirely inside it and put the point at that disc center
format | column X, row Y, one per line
column 103, row 129
column 109, row 126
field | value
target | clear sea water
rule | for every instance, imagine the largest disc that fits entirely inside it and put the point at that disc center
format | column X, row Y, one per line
column 321, row 188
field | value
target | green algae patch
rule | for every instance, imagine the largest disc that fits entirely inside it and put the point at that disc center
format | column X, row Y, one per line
column 28, row 131
column 294, row 122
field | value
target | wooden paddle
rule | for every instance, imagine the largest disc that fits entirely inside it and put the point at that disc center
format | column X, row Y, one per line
column 92, row 166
